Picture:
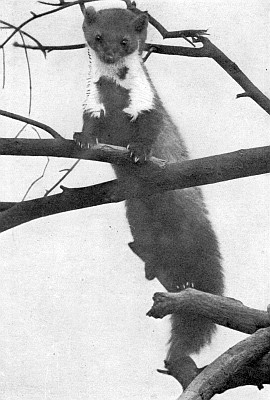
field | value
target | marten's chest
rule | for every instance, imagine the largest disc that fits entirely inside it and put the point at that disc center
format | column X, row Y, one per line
column 119, row 84
column 117, row 94
column 113, row 126
column 114, row 97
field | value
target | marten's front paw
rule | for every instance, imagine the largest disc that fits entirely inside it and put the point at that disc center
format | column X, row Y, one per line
column 138, row 152
column 132, row 112
column 84, row 141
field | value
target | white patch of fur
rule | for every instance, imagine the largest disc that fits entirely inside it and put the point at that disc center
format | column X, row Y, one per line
column 136, row 82
column 92, row 104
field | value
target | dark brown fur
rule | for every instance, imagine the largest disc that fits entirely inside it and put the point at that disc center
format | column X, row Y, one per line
column 172, row 233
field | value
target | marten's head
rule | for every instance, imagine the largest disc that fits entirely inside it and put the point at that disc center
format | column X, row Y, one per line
column 114, row 33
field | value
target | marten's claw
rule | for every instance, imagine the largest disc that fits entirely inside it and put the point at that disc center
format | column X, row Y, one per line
column 138, row 152
column 188, row 285
column 83, row 141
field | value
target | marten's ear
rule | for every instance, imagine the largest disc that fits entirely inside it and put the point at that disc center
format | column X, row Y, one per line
column 90, row 15
column 140, row 22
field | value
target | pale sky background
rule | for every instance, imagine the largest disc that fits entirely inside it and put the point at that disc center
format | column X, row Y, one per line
column 73, row 297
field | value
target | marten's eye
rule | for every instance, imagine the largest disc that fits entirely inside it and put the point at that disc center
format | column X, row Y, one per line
column 124, row 42
column 98, row 38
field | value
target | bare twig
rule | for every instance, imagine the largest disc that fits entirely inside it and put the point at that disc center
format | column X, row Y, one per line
column 234, row 71
column 242, row 95
column 39, row 45
column 155, row 48
column 82, row 7
column 30, row 121
column 38, row 179
column 149, row 52
column 20, row 131
column 61, row 2
column 183, row 34
column 36, row 16
column 4, row 67
column 43, row 172
column 51, row 48
column 62, row 178
column 29, row 74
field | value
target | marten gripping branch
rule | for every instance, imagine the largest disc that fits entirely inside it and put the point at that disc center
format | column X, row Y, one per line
column 172, row 233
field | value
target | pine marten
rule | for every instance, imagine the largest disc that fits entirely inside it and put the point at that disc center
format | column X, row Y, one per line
column 172, row 233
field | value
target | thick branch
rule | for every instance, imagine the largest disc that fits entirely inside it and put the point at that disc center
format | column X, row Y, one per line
column 224, row 311
column 155, row 176
column 26, row 211
column 61, row 148
column 202, row 171
column 247, row 363
column 229, row 313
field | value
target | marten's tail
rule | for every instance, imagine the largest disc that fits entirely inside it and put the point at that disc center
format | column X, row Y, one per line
column 173, row 236
column 189, row 334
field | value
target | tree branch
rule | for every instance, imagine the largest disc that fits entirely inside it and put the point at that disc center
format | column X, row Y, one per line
column 51, row 48
column 247, row 363
column 202, row 171
column 60, row 7
column 208, row 50
column 156, row 48
column 38, row 44
column 33, row 122
column 235, row 72
column 154, row 176
column 70, row 199
column 223, row 311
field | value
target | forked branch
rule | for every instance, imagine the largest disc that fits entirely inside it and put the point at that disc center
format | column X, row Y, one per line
column 247, row 363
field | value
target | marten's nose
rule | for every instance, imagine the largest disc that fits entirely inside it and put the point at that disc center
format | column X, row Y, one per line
column 110, row 57
column 109, row 52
